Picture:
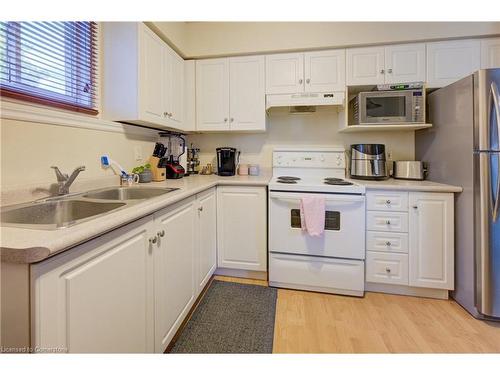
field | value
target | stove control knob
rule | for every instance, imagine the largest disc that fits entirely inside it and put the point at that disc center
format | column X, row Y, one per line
column 339, row 162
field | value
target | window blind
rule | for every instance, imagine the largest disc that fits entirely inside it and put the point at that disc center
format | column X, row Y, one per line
column 51, row 63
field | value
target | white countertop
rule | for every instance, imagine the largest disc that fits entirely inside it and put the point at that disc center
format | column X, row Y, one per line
column 20, row 245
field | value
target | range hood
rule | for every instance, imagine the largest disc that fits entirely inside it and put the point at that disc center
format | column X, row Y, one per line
column 306, row 99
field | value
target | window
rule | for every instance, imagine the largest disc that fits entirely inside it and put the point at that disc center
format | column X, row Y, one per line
column 51, row 63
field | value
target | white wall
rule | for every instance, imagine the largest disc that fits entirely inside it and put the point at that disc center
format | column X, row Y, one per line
column 283, row 129
column 204, row 39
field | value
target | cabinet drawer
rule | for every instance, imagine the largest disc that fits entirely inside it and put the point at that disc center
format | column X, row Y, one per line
column 387, row 241
column 387, row 201
column 387, row 221
column 387, row 268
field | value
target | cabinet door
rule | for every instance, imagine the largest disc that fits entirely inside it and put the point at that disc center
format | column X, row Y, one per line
column 431, row 230
column 405, row 63
column 285, row 73
column 247, row 99
column 365, row 66
column 175, row 83
column 324, row 71
column 174, row 282
column 212, row 94
column 97, row 298
column 151, row 84
column 207, row 249
column 447, row 62
column 490, row 53
column 241, row 227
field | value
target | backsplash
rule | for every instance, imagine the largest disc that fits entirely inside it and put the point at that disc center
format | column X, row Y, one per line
column 284, row 129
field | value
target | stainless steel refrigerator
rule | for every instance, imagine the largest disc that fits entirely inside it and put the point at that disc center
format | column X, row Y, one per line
column 463, row 148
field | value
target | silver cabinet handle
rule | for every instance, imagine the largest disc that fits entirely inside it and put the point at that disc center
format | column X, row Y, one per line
column 308, row 80
column 225, row 119
column 300, row 81
column 153, row 240
column 388, row 222
column 415, row 207
column 389, row 70
column 200, row 208
column 231, row 119
column 165, row 114
column 382, row 71
column 388, row 243
column 388, row 270
column 161, row 233
column 388, row 201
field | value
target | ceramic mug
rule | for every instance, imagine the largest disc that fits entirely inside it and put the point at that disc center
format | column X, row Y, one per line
column 253, row 169
column 243, row 169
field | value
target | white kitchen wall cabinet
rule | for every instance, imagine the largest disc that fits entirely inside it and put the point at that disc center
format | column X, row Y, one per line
column 174, row 269
column 97, row 298
column 490, row 53
column 207, row 229
column 189, row 123
column 143, row 78
column 242, row 228
column 390, row 64
column 431, row 240
column 322, row 71
column 449, row 61
column 230, row 94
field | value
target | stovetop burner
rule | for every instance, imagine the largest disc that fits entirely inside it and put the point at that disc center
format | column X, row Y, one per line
column 286, row 181
column 288, row 178
column 336, row 181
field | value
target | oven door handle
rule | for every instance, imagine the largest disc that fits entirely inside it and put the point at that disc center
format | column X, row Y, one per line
column 337, row 199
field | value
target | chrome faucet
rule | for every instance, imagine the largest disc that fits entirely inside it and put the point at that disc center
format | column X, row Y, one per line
column 63, row 181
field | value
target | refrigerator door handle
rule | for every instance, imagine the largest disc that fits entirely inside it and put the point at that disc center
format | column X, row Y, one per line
column 495, row 102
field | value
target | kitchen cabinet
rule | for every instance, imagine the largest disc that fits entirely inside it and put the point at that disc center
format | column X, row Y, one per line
column 97, row 298
column 174, row 269
column 490, row 53
column 449, row 61
column 390, row 64
column 242, row 228
column 431, row 240
column 230, row 94
column 207, row 229
column 143, row 77
column 290, row 73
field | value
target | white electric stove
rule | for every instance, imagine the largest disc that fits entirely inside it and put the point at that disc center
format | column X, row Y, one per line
column 333, row 262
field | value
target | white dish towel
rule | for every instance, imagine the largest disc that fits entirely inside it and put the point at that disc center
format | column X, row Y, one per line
column 312, row 215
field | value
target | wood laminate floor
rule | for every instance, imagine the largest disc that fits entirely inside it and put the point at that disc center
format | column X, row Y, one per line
column 308, row 322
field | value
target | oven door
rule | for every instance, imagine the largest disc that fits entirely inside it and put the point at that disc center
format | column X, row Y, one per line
column 386, row 107
column 344, row 235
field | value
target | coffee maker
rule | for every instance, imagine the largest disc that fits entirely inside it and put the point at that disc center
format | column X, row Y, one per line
column 368, row 162
column 227, row 161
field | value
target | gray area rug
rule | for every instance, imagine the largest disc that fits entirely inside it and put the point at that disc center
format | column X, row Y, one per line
column 231, row 318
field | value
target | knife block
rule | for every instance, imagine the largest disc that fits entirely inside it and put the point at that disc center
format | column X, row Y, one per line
column 159, row 174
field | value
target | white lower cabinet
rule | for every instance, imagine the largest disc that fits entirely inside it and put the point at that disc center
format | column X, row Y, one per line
column 411, row 244
column 242, row 227
column 129, row 290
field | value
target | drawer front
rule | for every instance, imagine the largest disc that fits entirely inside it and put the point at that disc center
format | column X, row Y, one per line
column 387, row 268
column 391, row 242
column 387, row 221
column 387, row 201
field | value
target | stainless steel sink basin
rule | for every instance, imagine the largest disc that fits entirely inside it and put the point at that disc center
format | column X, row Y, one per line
column 54, row 214
column 128, row 193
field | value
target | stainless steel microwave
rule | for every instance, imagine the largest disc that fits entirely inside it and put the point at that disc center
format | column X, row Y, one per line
column 388, row 107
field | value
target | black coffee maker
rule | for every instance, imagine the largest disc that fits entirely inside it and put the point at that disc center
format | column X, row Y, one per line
column 227, row 161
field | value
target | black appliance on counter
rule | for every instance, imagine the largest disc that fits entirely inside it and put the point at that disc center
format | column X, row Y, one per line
column 171, row 163
column 227, row 161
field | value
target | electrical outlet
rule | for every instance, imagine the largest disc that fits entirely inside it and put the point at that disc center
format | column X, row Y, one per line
column 138, row 153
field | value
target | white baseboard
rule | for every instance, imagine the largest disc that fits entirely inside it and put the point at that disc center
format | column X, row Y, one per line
column 407, row 290
column 258, row 275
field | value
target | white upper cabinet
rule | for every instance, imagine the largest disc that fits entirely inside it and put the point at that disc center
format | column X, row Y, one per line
column 365, row 66
column 230, row 94
column 490, row 53
column 431, row 254
column 247, row 100
column 284, row 73
column 324, row 71
column 143, row 77
column 449, row 61
column 391, row 64
column 291, row 73
column 405, row 63
column 212, row 94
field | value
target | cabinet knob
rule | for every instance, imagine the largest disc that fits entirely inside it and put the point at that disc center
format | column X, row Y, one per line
column 415, row 207
column 388, row 222
column 388, row 201
column 382, row 71
column 300, row 81
column 388, row 243
column 389, row 70
column 388, row 270
column 161, row 233
column 200, row 208
column 165, row 114
column 225, row 119
column 153, row 240
column 231, row 119
column 308, row 80
column 170, row 114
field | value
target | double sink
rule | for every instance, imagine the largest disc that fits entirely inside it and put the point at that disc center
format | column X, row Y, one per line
column 65, row 211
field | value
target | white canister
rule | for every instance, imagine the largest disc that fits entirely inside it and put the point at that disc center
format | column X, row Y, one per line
column 243, row 169
column 253, row 169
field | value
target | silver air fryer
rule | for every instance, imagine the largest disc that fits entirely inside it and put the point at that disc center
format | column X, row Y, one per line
column 368, row 162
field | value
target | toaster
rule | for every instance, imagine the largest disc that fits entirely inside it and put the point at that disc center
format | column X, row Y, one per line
column 409, row 170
